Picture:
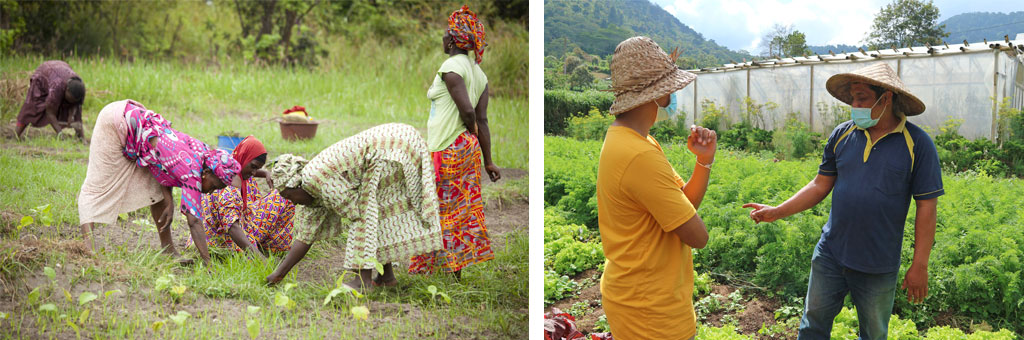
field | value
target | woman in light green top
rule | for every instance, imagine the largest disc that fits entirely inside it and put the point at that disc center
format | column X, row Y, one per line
column 457, row 135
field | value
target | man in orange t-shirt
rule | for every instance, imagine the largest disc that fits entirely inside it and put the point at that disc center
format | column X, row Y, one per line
column 646, row 212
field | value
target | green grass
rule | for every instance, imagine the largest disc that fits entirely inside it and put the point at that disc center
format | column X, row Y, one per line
column 205, row 101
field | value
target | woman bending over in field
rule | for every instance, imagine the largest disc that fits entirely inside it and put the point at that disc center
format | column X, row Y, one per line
column 378, row 187
column 134, row 161
column 245, row 219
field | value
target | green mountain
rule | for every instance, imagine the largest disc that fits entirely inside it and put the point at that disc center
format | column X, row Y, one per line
column 975, row 26
column 597, row 26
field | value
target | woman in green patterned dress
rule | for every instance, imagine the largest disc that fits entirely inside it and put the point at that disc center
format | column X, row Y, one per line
column 378, row 186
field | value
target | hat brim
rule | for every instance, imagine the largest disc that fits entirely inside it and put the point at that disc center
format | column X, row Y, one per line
column 839, row 87
column 672, row 82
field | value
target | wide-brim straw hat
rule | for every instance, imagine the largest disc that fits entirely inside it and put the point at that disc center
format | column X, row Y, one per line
column 642, row 73
column 879, row 74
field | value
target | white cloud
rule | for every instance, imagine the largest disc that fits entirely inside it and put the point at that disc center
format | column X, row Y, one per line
column 740, row 24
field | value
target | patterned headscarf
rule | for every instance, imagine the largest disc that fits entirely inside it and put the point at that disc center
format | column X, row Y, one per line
column 223, row 166
column 287, row 171
column 467, row 32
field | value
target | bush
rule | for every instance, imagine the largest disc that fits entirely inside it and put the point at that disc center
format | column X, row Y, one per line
column 592, row 126
column 796, row 141
column 755, row 114
column 714, row 116
column 580, row 78
column 562, row 104
column 745, row 137
column 958, row 154
column 672, row 131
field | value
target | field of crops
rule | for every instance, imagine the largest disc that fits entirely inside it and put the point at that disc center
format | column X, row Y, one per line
column 51, row 286
column 751, row 278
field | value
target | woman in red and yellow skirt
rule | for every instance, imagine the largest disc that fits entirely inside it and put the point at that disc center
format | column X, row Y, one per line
column 457, row 137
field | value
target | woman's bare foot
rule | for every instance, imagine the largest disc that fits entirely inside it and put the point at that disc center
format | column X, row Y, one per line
column 386, row 279
column 362, row 282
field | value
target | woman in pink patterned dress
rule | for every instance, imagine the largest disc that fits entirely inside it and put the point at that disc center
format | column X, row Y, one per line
column 128, row 141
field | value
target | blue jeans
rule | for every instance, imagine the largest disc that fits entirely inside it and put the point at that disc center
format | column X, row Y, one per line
column 827, row 288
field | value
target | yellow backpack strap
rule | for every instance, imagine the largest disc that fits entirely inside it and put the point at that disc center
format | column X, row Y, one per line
column 910, row 147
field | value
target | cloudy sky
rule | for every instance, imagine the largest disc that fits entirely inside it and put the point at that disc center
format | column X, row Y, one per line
column 824, row 22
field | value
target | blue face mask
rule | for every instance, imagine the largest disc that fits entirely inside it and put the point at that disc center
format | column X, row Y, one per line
column 669, row 111
column 862, row 115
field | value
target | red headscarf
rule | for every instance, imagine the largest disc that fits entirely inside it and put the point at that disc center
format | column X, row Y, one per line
column 467, row 32
column 247, row 150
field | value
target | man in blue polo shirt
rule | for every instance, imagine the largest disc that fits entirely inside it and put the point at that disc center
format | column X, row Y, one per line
column 873, row 165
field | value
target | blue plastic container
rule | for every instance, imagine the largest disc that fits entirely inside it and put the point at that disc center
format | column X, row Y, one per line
column 228, row 143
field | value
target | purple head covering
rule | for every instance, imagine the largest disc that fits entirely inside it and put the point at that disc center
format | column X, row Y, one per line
column 222, row 164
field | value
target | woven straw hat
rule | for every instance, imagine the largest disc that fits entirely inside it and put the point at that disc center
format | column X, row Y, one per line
column 642, row 73
column 879, row 74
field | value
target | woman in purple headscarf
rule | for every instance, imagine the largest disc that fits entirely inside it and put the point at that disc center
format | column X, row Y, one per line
column 134, row 161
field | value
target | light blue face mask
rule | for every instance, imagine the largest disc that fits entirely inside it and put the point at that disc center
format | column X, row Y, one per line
column 670, row 111
column 862, row 115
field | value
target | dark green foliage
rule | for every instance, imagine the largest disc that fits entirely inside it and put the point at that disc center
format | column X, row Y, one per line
column 907, row 23
column 580, row 78
column 743, row 136
column 672, row 131
column 796, row 140
column 559, row 105
column 959, row 154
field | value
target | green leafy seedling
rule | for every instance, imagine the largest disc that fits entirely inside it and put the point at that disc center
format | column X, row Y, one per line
column 83, row 317
column 178, row 291
column 49, row 307
column 282, row 300
column 360, row 312
column 67, row 295
column 164, row 282
column 110, row 292
column 434, row 293
column 85, row 297
column 44, row 215
column 157, row 325
column 33, row 296
column 50, row 274
column 253, row 327
column 26, row 221
column 180, row 318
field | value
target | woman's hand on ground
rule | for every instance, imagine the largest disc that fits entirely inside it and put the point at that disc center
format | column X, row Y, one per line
column 493, row 171
column 274, row 278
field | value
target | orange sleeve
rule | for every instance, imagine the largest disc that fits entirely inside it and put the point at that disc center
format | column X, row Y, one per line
column 652, row 182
